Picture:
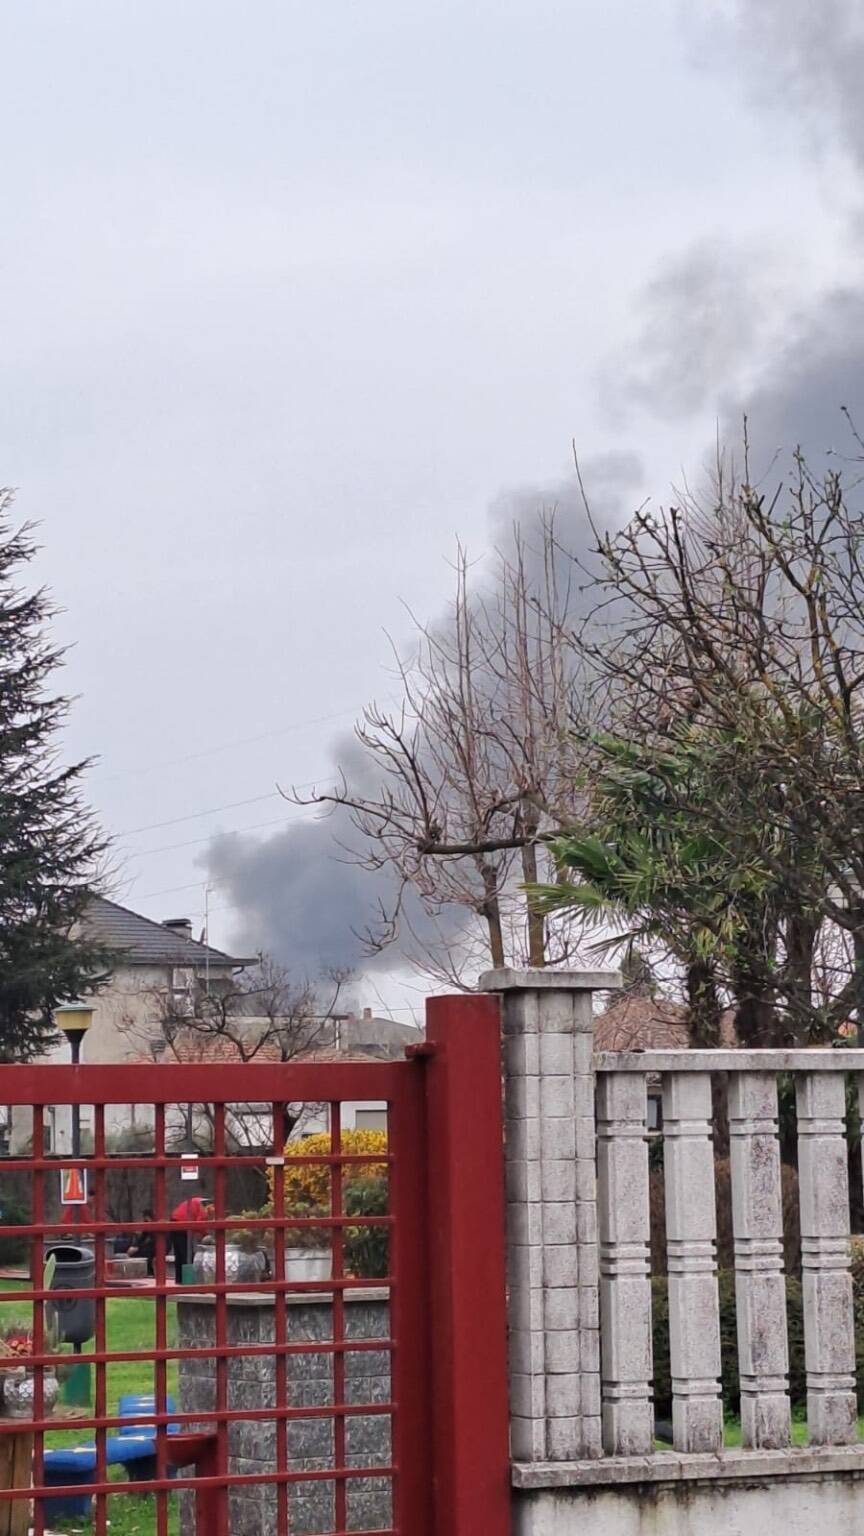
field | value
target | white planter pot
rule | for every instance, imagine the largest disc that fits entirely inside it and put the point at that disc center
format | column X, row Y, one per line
column 308, row 1264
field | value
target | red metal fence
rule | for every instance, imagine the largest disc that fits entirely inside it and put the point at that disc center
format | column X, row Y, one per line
column 440, row 1303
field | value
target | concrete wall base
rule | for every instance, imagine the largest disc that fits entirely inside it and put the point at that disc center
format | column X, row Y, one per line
column 787, row 1506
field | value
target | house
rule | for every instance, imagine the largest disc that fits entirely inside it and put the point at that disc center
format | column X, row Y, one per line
column 345, row 1038
column 635, row 1021
column 162, row 971
column 157, row 963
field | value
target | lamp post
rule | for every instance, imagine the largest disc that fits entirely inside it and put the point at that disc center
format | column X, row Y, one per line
column 74, row 1020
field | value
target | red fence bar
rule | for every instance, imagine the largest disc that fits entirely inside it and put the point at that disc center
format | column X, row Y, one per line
column 409, row 1304
column 467, row 1267
column 148, row 1083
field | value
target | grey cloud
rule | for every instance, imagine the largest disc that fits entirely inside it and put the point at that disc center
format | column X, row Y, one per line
column 700, row 320
column 809, row 58
column 611, row 480
column 806, row 56
column 724, row 326
column 303, row 897
column 295, row 899
column 800, row 399
column 611, row 486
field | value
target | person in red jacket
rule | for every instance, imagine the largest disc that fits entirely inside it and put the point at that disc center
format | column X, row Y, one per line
column 191, row 1212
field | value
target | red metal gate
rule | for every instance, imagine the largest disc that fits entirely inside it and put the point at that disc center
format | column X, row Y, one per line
column 438, row 1348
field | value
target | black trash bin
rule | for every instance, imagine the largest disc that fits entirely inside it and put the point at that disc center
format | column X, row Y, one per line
column 76, row 1270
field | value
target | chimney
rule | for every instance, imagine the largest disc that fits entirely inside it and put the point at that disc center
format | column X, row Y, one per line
column 367, row 1013
column 181, row 926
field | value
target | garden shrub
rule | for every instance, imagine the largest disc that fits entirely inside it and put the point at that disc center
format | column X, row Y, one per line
column 367, row 1249
column 307, row 1186
column 14, row 1250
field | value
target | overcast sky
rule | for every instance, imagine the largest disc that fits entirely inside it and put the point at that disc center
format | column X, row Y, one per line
column 292, row 294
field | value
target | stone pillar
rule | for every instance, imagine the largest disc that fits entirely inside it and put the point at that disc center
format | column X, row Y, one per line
column 691, row 1251
column 551, row 1210
column 760, row 1284
column 829, row 1330
column 625, row 1264
column 311, row 1442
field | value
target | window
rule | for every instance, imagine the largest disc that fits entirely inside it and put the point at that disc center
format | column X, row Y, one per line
column 655, row 1112
column 182, row 990
column 370, row 1120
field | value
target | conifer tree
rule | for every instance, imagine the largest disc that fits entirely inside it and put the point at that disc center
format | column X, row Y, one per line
column 50, row 847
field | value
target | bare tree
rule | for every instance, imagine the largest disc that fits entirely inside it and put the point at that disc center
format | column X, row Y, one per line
column 480, row 762
column 261, row 1014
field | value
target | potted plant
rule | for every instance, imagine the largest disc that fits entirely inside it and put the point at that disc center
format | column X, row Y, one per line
column 17, row 1378
column 307, row 1192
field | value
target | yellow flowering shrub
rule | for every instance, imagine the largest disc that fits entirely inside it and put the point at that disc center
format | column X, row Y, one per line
column 307, row 1186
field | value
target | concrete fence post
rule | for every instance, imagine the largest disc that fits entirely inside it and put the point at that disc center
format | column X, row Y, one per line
column 829, row 1320
column 691, row 1253
column 760, row 1283
column 551, row 1183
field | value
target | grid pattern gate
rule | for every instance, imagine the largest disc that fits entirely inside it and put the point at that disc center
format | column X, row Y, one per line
column 325, row 1380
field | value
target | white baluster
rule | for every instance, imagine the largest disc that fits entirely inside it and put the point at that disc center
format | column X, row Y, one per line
column 760, row 1286
column 829, row 1330
column 625, row 1267
column 691, row 1234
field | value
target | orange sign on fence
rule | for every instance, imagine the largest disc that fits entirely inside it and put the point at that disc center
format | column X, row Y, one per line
column 73, row 1186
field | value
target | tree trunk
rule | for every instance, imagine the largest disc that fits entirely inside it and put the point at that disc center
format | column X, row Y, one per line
column 704, row 1035
column 491, row 912
column 800, row 938
column 536, row 921
column 704, row 1005
column 757, row 1022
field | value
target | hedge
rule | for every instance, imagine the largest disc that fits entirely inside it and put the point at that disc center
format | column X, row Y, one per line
column 14, row 1250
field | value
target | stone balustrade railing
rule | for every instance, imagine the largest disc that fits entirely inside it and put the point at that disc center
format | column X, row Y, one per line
column 579, row 1239
column 757, row 1221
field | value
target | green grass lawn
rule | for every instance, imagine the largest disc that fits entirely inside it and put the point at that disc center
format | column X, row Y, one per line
column 732, row 1433
column 131, row 1324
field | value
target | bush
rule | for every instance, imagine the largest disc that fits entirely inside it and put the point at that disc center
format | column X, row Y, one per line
column 307, row 1186
column 14, row 1250
column 367, row 1249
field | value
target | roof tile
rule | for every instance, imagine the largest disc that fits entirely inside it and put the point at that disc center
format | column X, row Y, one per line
column 145, row 942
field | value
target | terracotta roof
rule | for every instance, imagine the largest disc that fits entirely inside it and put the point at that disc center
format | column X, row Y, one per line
column 330, row 1053
column 196, row 1049
column 635, row 1023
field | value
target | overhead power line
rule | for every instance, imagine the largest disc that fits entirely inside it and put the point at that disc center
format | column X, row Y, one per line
column 191, row 885
column 213, row 810
column 258, row 826
column 232, row 805
column 227, row 746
